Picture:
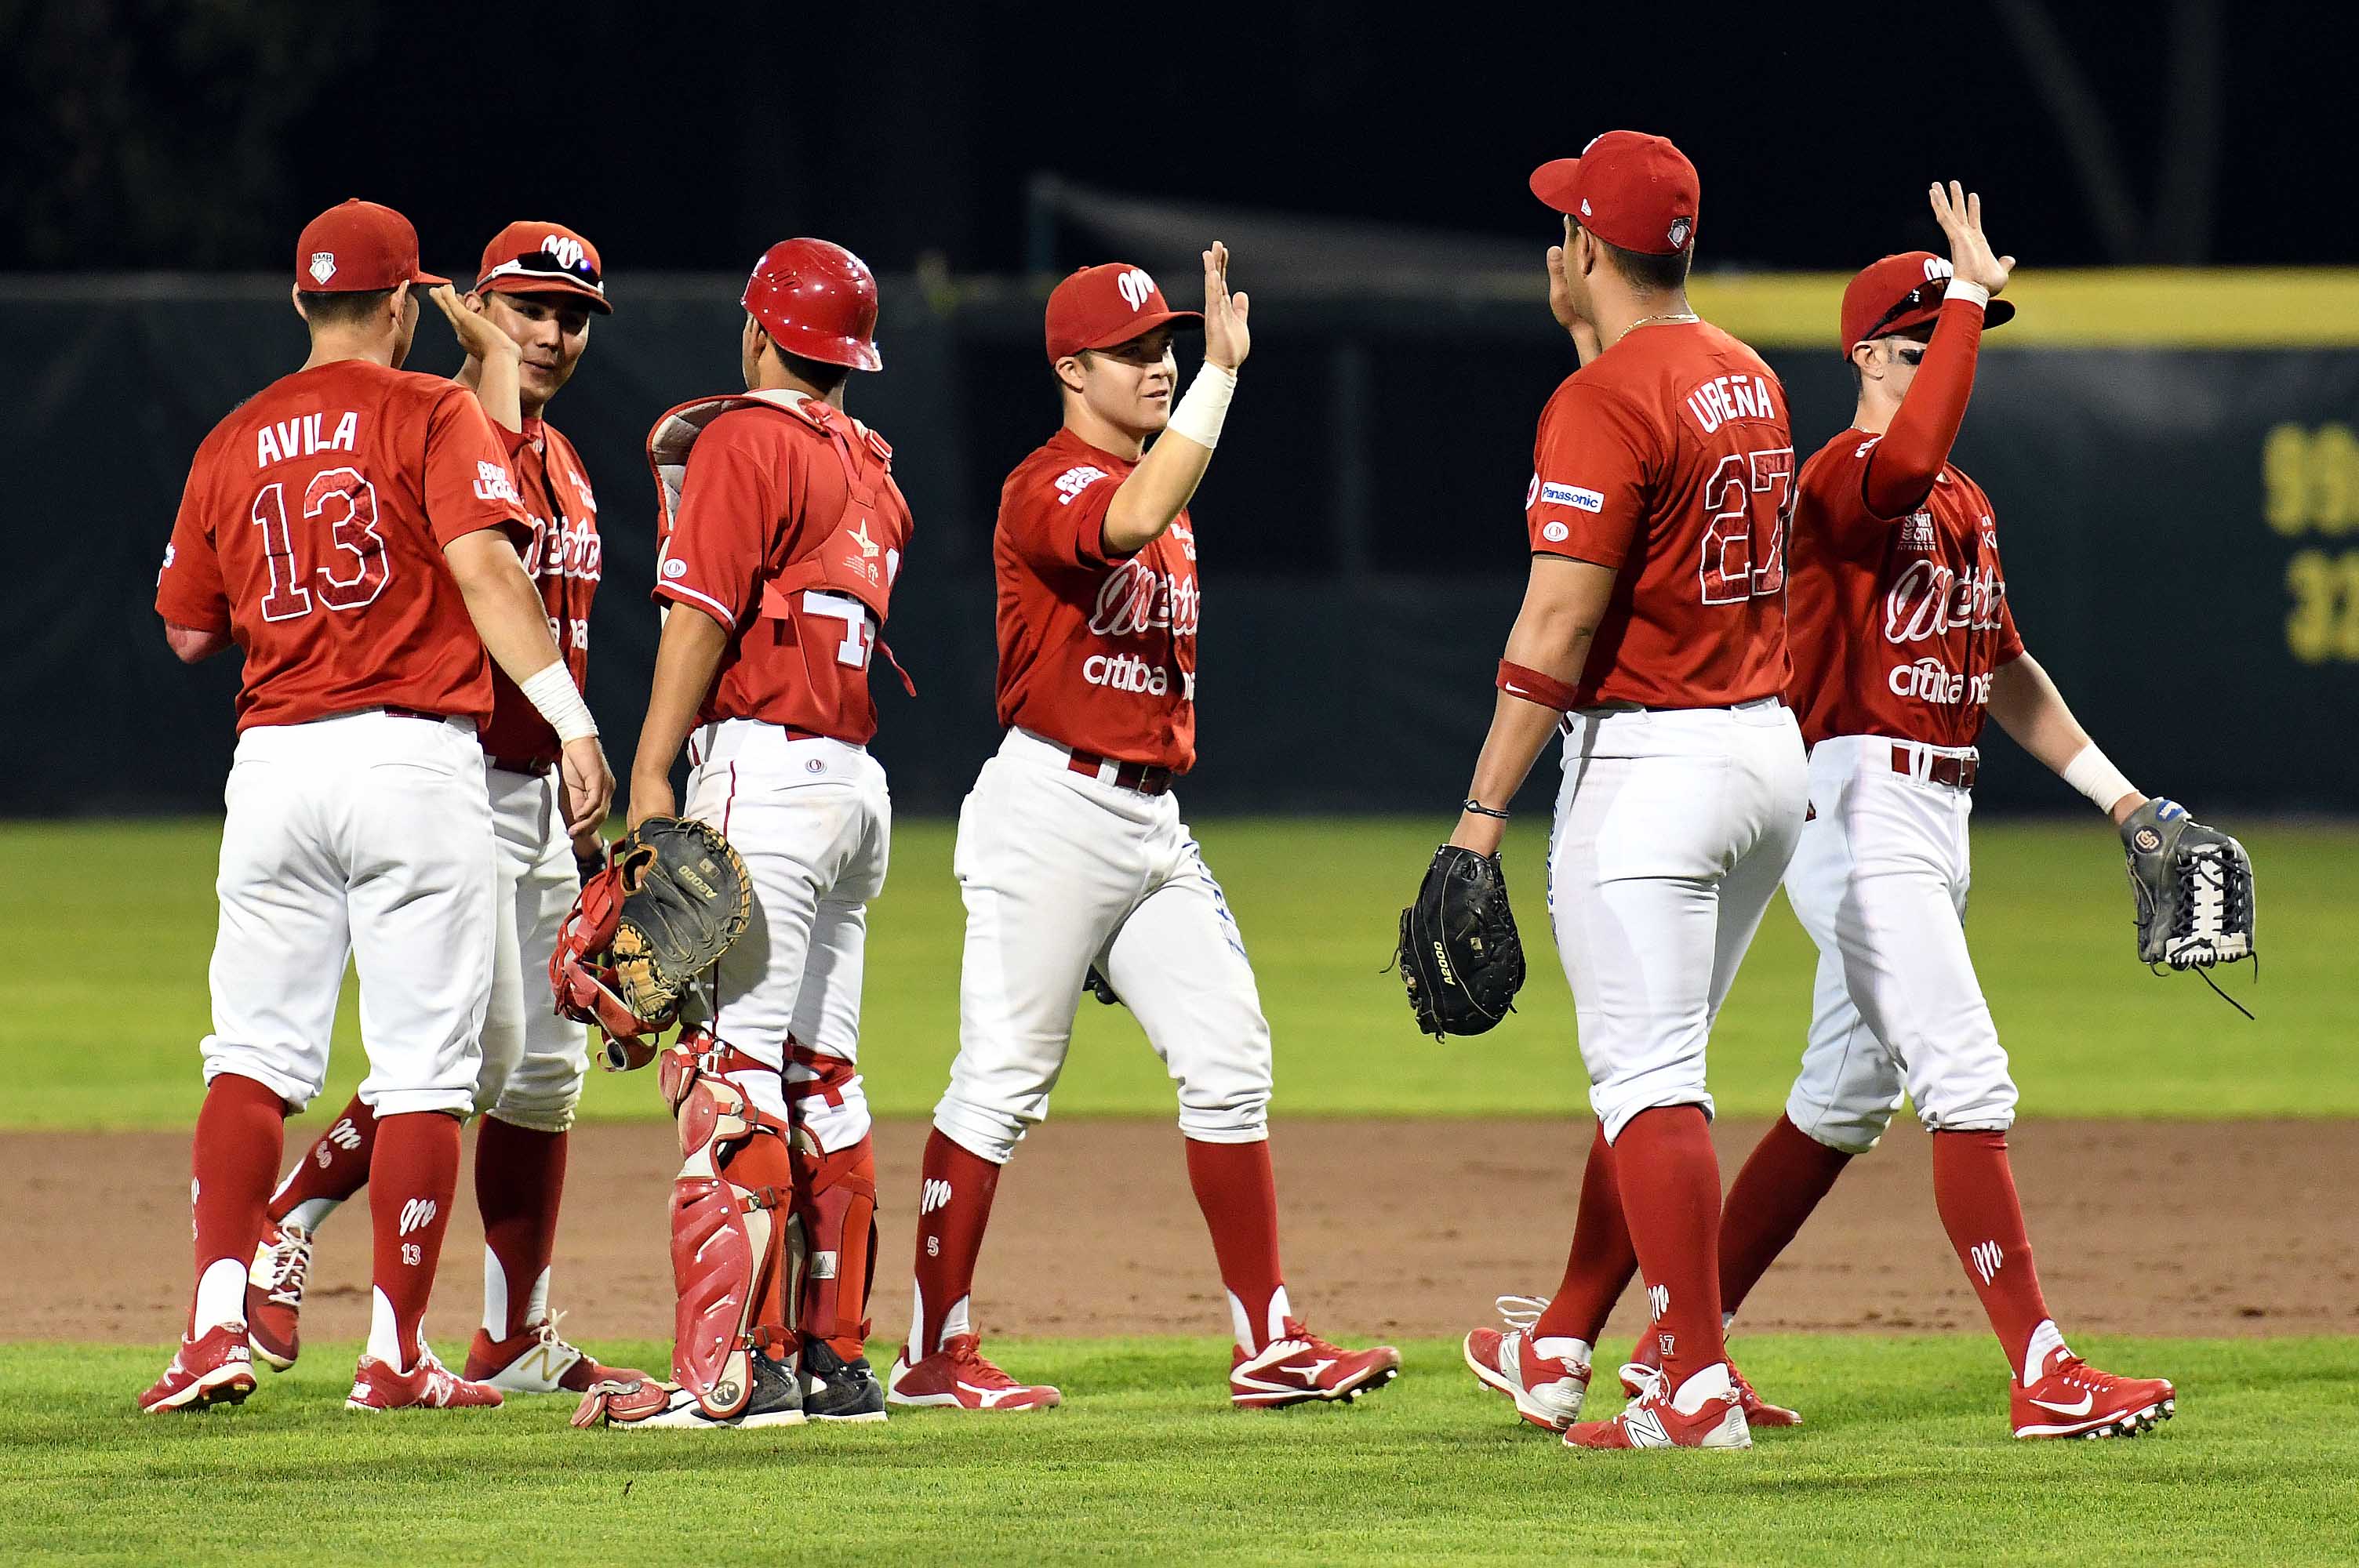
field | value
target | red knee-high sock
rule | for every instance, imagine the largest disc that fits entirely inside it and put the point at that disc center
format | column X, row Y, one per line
column 1238, row 1193
column 1781, row 1182
column 953, row 1209
column 412, row 1179
column 241, row 1133
column 1974, row 1190
column 332, row 1170
column 1671, row 1195
column 519, row 1177
column 1598, row 1268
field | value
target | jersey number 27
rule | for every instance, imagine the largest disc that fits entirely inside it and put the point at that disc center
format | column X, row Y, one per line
column 1751, row 499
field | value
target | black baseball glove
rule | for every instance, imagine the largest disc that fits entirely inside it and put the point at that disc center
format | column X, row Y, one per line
column 2193, row 886
column 1458, row 953
column 674, row 897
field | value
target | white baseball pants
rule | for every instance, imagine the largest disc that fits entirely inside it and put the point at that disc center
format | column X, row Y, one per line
column 534, row 1059
column 366, row 837
column 1880, row 882
column 814, row 821
column 1060, row 870
column 1673, row 828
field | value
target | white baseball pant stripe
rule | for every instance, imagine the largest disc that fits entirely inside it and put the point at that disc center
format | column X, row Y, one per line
column 1673, row 828
column 366, row 837
column 1060, row 870
column 814, row 821
column 1880, row 882
column 534, row 1059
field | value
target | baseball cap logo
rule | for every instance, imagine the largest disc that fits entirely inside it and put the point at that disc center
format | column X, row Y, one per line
column 323, row 265
column 1680, row 229
column 1936, row 268
column 565, row 248
column 1135, row 286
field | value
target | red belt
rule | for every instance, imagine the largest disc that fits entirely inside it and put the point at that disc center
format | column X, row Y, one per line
column 529, row 766
column 1140, row 776
column 1958, row 773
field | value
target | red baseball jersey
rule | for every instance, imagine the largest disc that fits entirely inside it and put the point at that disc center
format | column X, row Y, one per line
column 1097, row 652
column 312, row 531
column 564, row 560
column 1899, row 622
column 765, row 489
column 1668, row 457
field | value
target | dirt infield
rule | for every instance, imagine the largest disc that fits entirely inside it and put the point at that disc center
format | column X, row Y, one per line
column 1391, row 1227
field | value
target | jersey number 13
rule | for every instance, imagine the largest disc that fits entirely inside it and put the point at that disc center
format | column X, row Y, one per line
column 356, row 569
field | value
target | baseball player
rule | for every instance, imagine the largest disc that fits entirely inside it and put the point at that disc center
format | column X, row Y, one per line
column 1903, row 641
column 784, row 534
column 1653, row 635
column 538, row 285
column 1073, row 861
column 353, row 529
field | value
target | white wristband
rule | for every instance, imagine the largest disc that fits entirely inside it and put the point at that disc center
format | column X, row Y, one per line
column 1961, row 289
column 1205, row 406
column 553, row 692
column 2090, row 773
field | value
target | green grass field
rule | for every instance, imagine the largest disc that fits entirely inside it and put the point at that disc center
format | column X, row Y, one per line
column 1906, row 1457
column 2090, row 1032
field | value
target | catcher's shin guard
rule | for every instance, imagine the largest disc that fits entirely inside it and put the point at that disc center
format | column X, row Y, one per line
column 732, row 1241
column 835, row 1200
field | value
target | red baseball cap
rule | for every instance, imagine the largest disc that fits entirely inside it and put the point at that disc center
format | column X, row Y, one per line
column 356, row 247
column 1901, row 292
column 529, row 257
column 1629, row 189
column 1112, row 303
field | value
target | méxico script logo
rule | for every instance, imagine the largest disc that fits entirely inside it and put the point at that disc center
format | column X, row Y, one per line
column 1988, row 1259
column 416, row 1215
column 1134, row 287
column 936, row 1194
column 1135, row 598
column 567, row 249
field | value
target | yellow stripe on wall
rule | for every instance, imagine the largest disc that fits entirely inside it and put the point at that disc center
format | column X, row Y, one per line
column 2150, row 308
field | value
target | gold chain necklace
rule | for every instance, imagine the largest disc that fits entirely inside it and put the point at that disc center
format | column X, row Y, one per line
column 1644, row 320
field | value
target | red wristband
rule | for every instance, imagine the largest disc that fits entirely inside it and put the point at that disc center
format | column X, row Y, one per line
column 1522, row 680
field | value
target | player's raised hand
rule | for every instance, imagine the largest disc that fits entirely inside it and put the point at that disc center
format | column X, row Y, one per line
column 1226, row 341
column 477, row 333
column 1960, row 213
column 589, row 786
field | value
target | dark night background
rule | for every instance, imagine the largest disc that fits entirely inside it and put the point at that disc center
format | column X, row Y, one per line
column 1364, row 547
column 142, row 133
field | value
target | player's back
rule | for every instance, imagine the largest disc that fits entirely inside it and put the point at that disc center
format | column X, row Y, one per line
column 323, row 505
column 1671, row 454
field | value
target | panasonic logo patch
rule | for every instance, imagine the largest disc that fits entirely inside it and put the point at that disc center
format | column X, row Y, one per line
column 1572, row 495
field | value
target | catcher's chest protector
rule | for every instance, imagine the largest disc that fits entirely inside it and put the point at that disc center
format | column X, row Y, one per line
column 858, row 557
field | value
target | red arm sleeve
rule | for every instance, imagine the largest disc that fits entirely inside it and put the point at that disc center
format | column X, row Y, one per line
column 1590, row 464
column 1061, row 520
column 730, row 500
column 189, row 591
column 1901, row 471
column 468, row 485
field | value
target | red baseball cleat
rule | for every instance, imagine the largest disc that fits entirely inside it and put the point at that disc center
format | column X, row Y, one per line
column 537, row 1361
column 429, row 1385
column 1758, row 1411
column 1546, row 1390
column 214, row 1368
column 2073, row 1398
column 956, row 1377
column 273, row 1292
column 1302, row 1367
column 1704, row 1413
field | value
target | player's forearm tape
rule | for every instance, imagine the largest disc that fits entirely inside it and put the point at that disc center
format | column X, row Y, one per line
column 1205, row 406
column 559, row 700
column 2094, row 777
column 1522, row 680
column 1961, row 289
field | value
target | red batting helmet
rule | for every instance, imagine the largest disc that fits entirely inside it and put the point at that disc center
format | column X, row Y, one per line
column 817, row 300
